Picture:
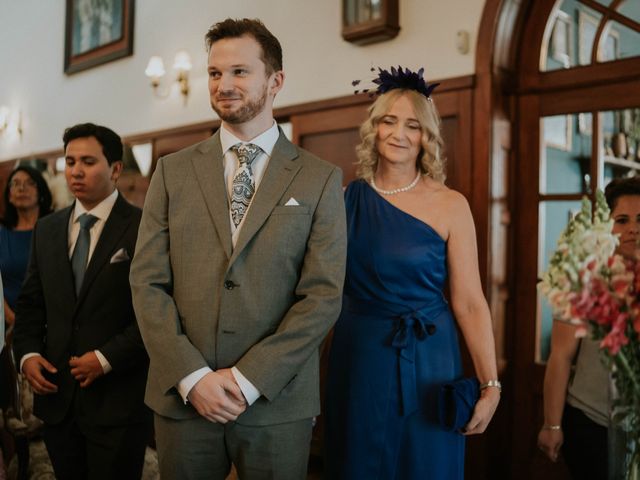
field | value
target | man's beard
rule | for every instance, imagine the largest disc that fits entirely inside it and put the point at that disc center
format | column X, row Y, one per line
column 246, row 112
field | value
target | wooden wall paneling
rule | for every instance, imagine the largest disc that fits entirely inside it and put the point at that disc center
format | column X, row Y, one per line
column 5, row 170
column 332, row 135
column 335, row 147
column 167, row 144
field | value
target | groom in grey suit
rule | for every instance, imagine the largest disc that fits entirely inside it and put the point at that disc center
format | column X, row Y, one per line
column 237, row 278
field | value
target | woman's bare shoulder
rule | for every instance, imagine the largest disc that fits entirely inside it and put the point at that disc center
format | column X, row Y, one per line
column 445, row 196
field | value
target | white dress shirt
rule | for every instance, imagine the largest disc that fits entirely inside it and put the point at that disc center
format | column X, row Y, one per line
column 266, row 141
column 101, row 212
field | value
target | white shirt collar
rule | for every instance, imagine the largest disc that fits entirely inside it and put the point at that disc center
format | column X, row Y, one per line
column 102, row 210
column 266, row 140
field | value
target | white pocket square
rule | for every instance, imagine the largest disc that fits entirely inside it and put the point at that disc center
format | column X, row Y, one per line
column 120, row 256
column 292, row 202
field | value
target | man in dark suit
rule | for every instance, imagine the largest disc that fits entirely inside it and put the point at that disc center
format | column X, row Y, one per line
column 76, row 336
column 237, row 278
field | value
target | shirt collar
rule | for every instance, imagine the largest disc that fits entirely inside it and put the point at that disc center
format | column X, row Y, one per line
column 266, row 140
column 102, row 210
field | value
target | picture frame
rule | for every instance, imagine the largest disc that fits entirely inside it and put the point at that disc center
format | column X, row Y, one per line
column 611, row 49
column 369, row 21
column 585, row 122
column 557, row 132
column 587, row 27
column 608, row 49
column 562, row 39
column 97, row 32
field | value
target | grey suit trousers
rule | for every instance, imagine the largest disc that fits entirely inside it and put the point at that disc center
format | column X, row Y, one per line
column 198, row 449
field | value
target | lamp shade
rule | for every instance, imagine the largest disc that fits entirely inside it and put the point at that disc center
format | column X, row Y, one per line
column 182, row 62
column 155, row 67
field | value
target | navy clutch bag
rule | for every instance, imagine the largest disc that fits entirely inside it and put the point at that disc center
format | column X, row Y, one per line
column 456, row 401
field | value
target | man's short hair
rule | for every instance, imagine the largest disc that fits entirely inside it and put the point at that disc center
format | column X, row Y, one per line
column 232, row 28
column 110, row 140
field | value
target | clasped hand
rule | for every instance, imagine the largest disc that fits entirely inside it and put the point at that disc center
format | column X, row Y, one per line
column 217, row 397
column 86, row 368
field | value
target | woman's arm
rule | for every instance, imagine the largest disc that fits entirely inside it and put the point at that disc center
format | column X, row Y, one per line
column 564, row 346
column 470, row 307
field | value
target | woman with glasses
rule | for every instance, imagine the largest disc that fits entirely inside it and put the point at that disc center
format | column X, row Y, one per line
column 26, row 198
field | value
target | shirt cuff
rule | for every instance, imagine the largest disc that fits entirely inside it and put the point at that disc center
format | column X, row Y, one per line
column 187, row 383
column 106, row 366
column 250, row 392
column 26, row 356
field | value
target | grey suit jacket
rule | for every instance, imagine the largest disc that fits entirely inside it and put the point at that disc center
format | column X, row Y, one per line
column 263, row 306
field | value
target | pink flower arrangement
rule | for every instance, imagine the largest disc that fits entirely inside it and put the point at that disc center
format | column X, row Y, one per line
column 589, row 285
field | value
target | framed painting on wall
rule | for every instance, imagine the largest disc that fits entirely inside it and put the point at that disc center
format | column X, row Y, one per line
column 562, row 39
column 608, row 48
column 97, row 32
column 557, row 132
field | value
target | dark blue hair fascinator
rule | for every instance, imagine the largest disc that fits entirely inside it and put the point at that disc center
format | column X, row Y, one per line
column 398, row 78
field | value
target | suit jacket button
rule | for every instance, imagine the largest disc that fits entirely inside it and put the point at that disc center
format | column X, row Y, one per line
column 229, row 285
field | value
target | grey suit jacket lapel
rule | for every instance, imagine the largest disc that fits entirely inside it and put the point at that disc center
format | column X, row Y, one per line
column 113, row 230
column 280, row 172
column 209, row 169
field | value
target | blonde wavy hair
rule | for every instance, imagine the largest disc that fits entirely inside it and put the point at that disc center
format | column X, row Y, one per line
column 430, row 160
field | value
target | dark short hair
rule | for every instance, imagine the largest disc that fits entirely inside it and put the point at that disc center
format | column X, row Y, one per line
column 619, row 187
column 10, row 219
column 110, row 140
column 233, row 28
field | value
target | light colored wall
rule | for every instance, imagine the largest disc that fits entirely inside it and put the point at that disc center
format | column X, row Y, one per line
column 318, row 63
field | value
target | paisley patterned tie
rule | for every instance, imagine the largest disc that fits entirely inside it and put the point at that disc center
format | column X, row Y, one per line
column 244, row 185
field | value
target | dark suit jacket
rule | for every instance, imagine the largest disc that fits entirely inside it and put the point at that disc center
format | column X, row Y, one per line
column 266, row 304
column 50, row 320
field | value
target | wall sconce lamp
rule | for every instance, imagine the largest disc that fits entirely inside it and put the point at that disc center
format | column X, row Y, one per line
column 10, row 121
column 4, row 118
column 181, row 64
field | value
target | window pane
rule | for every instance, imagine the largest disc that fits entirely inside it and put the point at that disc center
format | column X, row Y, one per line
column 631, row 9
column 569, row 36
column 588, row 21
column 619, row 42
column 619, row 153
column 553, row 218
column 565, row 154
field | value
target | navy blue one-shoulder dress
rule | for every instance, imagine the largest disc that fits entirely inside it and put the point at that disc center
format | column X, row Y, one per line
column 394, row 345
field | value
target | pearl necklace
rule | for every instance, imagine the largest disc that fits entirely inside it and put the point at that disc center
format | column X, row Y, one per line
column 372, row 182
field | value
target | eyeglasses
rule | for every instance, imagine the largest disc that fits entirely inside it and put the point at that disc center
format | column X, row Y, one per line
column 15, row 184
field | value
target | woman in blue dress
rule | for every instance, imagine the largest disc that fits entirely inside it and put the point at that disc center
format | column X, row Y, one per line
column 395, row 343
column 26, row 198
